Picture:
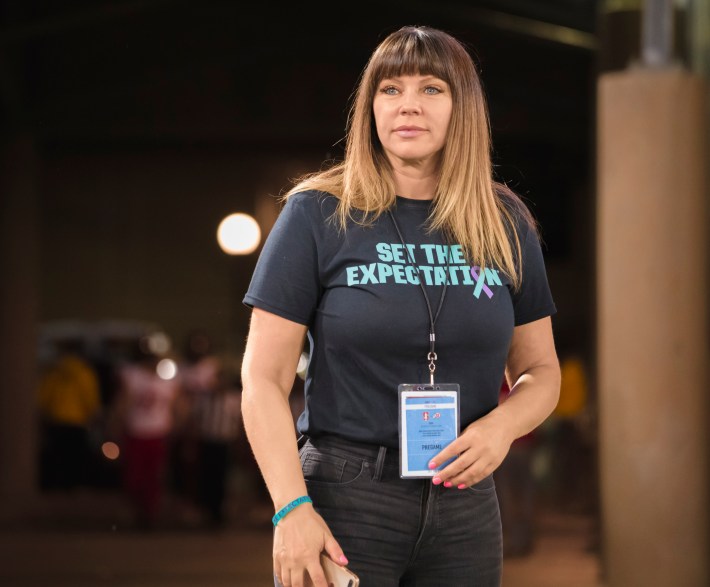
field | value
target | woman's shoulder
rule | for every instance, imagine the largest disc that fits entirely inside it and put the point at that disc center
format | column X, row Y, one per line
column 309, row 196
column 313, row 202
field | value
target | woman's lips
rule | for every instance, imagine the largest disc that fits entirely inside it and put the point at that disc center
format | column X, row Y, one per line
column 409, row 131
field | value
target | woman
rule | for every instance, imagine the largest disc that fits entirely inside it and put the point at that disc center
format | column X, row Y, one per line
column 404, row 263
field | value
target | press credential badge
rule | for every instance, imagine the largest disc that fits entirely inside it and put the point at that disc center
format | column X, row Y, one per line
column 428, row 422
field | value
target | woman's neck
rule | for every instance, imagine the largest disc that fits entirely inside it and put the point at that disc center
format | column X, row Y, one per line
column 415, row 188
column 415, row 184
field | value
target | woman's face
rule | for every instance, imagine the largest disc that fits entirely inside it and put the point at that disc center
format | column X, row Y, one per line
column 412, row 114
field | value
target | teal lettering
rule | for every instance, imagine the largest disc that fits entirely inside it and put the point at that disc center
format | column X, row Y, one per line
column 368, row 273
column 412, row 275
column 439, row 275
column 467, row 277
column 397, row 254
column 429, row 251
column 441, row 252
column 412, row 258
column 454, row 280
column 427, row 273
column 352, row 275
column 383, row 272
column 456, row 252
column 492, row 277
column 399, row 276
column 383, row 252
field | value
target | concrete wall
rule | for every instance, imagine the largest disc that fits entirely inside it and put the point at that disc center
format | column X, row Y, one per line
column 653, row 328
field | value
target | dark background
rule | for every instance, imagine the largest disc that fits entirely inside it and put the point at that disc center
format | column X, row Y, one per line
column 150, row 121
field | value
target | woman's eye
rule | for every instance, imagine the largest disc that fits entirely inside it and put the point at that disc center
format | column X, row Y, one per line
column 389, row 90
column 431, row 90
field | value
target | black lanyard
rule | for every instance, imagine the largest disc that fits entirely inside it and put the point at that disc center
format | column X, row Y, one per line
column 431, row 357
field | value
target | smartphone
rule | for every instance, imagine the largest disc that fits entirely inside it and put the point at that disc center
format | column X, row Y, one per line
column 336, row 575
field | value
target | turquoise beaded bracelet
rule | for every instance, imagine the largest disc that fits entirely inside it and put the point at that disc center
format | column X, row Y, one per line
column 288, row 507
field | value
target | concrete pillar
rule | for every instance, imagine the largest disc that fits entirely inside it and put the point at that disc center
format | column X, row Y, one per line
column 653, row 328
column 18, row 326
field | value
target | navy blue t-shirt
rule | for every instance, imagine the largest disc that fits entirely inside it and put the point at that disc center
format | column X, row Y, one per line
column 367, row 319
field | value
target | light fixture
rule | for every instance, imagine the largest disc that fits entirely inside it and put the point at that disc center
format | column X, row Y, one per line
column 238, row 234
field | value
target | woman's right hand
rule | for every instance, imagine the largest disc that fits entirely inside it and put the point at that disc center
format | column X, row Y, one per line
column 299, row 539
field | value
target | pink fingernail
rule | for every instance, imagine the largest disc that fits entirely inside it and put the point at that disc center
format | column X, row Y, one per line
column 462, row 486
column 436, row 480
column 432, row 465
column 343, row 559
column 448, row 484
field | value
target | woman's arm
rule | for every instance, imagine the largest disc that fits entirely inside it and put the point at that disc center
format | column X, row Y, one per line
column 533, row 373
column 272, row 351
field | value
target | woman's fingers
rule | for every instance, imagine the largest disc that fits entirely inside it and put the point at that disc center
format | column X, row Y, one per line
column 333, row 550
column 277, row 571
column 299, row 540
column 478, row 456
column 311, row 576
column 317, row 575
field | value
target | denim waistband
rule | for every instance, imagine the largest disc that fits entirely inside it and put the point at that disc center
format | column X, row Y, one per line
column 385, row 458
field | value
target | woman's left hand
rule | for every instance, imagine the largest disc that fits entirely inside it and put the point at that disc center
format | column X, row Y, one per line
column 533, row 367
column 478, row 451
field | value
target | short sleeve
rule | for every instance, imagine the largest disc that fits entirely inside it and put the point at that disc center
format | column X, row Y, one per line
column 533, row 300
column 286, row 280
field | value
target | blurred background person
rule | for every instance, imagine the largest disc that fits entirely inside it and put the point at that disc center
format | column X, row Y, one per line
column 69, row 405
column 198, row 373
column 217, row 414
column 145, row 413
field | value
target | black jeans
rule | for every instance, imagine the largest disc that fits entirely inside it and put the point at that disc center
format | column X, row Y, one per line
column 398, row 532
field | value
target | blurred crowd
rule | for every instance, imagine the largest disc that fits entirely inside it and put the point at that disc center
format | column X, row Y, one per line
column 553, row 468
column 151, row 423
column 136, row 417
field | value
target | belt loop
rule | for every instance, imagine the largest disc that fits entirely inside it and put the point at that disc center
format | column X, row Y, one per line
column 380, row 463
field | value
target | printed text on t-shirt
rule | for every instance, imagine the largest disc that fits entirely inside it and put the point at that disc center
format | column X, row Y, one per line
column 400, row 264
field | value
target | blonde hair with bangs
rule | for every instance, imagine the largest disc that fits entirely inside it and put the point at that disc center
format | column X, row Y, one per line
column 469, row 206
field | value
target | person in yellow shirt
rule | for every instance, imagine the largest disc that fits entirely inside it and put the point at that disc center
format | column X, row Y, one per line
column 573, row 389
column 69, row 403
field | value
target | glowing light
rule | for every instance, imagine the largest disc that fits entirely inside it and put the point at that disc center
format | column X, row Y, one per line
column 110, row 450
column 238, row 234
column 159, row 343
column 166, row 369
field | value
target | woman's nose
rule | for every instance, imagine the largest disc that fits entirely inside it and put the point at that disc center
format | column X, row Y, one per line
column 410, row 103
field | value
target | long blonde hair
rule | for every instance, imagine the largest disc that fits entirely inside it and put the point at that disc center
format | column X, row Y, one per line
column 469, row 206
